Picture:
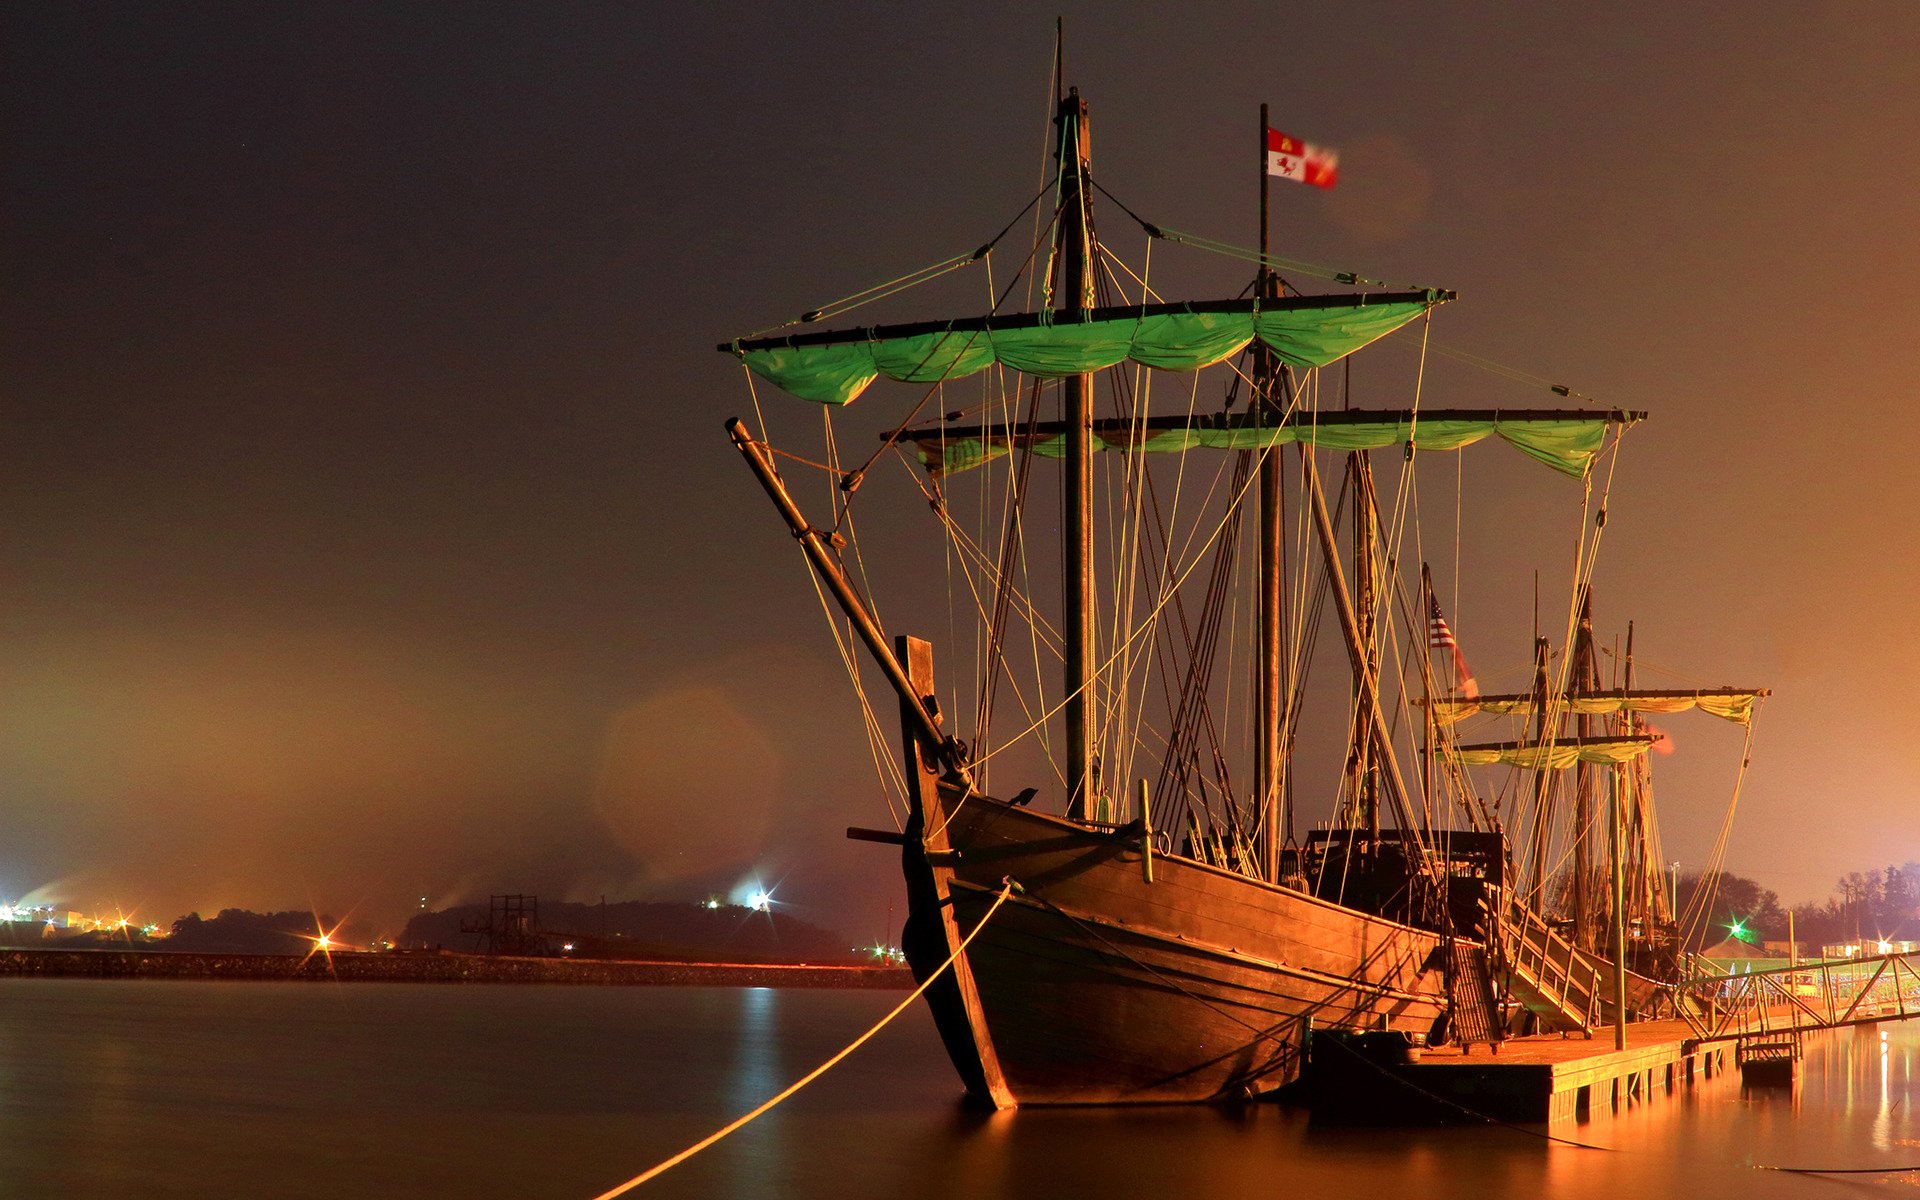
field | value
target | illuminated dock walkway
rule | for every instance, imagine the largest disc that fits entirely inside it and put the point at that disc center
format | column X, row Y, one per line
column 1753, row 1020
column 1546, row 1078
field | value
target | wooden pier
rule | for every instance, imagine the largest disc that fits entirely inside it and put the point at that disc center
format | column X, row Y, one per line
column 1544, row 1079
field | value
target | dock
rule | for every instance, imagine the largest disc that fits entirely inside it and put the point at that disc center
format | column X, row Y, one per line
column 1543, row 1079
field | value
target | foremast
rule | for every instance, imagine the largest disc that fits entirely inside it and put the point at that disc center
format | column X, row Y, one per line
column 1073, row 254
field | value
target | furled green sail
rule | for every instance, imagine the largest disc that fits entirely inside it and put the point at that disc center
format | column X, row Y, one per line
column 1730, row 704
column 1553, row 756
column 1564, row 439
column 1303, row 331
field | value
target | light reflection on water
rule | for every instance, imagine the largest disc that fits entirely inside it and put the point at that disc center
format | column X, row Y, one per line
column 141, row 1089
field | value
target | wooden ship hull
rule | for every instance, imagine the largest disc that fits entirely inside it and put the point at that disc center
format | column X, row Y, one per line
column 1091, row 985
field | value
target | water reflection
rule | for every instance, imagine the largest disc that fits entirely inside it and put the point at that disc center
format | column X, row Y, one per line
column 132, row 1089
column 756, row 1055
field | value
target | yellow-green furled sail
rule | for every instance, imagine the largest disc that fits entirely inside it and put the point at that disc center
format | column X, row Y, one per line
column 1553, row 756
column 1729, row 704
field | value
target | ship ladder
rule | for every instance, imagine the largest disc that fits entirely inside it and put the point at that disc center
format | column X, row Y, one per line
column 1473, row 1011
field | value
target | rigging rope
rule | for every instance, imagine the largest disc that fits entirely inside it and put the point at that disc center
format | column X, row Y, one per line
column 878, row 291
column 1007, row 888
column 1706, row 893
column 1501, row 369
column 1230, row 250
column 1542, row 815
column 1275, row 262
column 852, row 481
column 912, row 279
column 1106, row 663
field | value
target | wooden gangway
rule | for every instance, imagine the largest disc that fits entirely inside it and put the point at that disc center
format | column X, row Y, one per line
column 1551, row 977
column 1567, row 989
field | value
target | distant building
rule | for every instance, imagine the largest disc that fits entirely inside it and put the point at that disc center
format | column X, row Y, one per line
column 1867, row 948
column 1739, row 955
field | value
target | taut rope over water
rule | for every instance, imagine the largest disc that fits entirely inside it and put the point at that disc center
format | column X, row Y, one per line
column 1008, row 887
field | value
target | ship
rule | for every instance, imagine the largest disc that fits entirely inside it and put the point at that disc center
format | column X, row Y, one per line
column 1150, row 915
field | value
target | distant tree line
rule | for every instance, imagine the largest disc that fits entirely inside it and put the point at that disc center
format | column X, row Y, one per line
column 1865, row 905
column 642, row 929
column 239, row 931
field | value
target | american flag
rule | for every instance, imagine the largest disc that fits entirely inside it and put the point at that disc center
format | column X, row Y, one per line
column 1440, row 637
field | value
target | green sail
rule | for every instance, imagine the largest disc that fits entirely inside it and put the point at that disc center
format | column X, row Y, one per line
column 1565, row 439
column 1553, row 756
column 834, row 368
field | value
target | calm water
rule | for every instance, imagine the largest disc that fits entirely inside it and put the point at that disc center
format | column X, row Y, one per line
column 126, row 1089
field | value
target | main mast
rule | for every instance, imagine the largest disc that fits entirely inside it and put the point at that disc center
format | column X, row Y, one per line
column 1073, row 251
column 1269, row 749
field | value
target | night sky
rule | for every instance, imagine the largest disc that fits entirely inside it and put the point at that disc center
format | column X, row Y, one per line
column 369, row 530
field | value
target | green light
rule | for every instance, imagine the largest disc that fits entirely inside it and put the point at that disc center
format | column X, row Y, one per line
column 1738, row 928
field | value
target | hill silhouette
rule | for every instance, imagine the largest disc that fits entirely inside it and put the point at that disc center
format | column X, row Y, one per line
column 240, row 931
column 647, row 930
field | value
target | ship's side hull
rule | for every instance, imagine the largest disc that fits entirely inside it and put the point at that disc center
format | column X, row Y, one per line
column 1092, row 985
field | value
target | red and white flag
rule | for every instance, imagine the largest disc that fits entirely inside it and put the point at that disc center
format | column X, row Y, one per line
column 1440, row 637
column 1662, row 743
column 1291, row 158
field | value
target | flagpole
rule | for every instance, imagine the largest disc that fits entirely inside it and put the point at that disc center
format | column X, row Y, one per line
column 1268, row 753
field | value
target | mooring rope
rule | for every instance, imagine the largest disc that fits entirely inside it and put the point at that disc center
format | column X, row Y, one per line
column 1007, row 888
column 1835, row 1170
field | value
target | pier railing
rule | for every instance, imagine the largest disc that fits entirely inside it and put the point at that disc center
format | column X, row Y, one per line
column 1788, row 1001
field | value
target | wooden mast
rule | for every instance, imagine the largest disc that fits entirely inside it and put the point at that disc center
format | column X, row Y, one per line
column 1268, row 750
column 1380, row 732
column 1635, row 725
column 1073, row 240
column 1428, row 729
column 1366, row 794
column 1537, row 876
column 1585, row 679
column 1616, row 843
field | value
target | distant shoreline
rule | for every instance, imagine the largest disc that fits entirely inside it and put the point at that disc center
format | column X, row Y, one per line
column 435, row 967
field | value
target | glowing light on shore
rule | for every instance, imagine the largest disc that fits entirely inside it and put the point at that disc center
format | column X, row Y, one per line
column 325, row 941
